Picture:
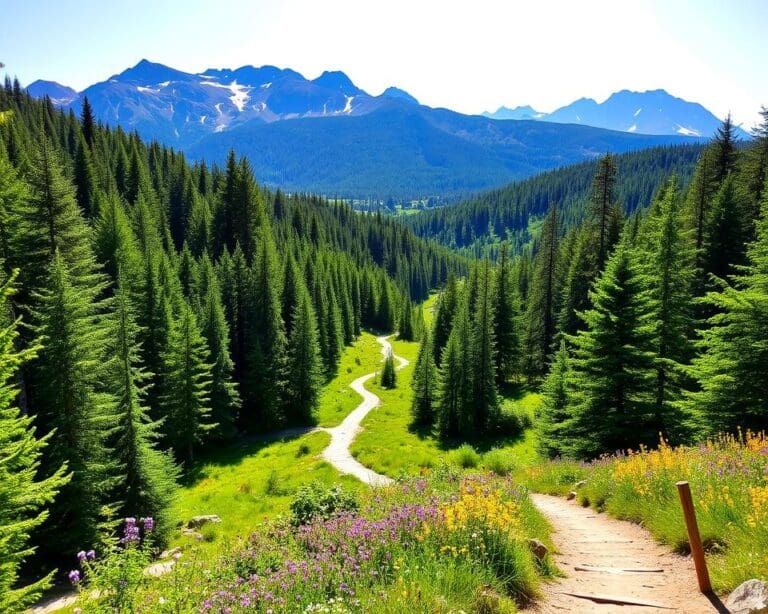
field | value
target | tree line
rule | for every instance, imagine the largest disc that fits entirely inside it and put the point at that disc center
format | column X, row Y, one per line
column 638, row 325
column 151, row 307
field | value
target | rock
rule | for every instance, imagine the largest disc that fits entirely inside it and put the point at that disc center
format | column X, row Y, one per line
column 751, row 597
column 166, row 554
column 198, row 521
column 581, row 484
column 538, row 549
column 571, row 495
column 192, row 533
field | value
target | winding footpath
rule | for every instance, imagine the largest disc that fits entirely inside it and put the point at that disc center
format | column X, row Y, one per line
column 337, row 453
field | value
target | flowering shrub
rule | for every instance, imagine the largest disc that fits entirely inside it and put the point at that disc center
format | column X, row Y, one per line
column 112, row 582
column 436, row 543
column 728, row 476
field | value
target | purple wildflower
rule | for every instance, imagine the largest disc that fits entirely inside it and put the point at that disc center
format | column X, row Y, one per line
column 149, row 523
column 74, row 576
column 90, row 555
column 81, row 556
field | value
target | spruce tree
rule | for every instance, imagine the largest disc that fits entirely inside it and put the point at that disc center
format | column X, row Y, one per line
column 85, row 178
column 604, row 212
column 485, row 397
column 506, row 318
column 305, row 366
column 732, row 368
column 406, row 330
column 456, row 385
column 88, row 123
column 424, row 384
column 667, row 261
column 148, row 476
column 225, row 400
column 445, row 309
column 73, row 407
column 552, row 424
column 612, row 364
column 24, row 496
column 186, row 388
column 388, row 372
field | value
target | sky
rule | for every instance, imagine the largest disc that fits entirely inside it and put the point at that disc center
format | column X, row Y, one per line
column 470, row 56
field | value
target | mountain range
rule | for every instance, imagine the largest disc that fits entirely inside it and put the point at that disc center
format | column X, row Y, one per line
column 651, row 112
column 327, row 135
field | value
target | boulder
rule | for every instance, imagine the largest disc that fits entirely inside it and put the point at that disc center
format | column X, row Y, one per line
column 538, row 549
column 198, row 521
column 751, row 597
column 166, row 554
column 571, row 495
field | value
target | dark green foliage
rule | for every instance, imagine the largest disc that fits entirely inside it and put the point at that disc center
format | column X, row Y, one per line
column 388, row 372
column 305, row 366
column 506, row 319
column 187, row 387
column 424, row 383
column 73, row 407
column 445, row 309
column 148, row 476
column 485, row 400
column 612, row 364
column 732, row 369
column 406, row 330
column 605, row 213
column 553, row 417
column 24, row 496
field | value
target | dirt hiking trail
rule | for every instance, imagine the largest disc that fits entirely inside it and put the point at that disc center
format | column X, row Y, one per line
column 337, row 453
column 607, row 558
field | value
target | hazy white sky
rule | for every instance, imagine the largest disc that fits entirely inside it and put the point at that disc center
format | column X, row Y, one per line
column 469, row 56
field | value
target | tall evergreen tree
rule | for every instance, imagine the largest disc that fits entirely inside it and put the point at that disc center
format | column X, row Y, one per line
column 305, row 366
column 88, row 122
column 485, row 397
column 506, row 318
column 612, row 364
column 186, row 386
column 73, row 407
column 23, row 495
column 406, row 330
column 552, row 424
column 424, row 384
column 604, row 211
column 148, row 476
column 732, row 369
column 388, row 372
column 445, row 309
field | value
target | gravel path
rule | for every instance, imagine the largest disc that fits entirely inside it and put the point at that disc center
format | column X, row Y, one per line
column 604, row 557
column 337, row 453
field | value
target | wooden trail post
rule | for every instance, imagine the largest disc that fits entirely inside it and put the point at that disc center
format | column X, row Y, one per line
column 697, row 550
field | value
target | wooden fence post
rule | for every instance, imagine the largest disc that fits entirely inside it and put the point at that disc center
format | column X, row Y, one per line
column 697, row 550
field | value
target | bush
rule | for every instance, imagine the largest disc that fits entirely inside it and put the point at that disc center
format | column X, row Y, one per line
column 498, row 461
column 466, row 457
column 317, row 501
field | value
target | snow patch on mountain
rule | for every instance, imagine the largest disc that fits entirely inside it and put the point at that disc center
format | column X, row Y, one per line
column 687, row 131
column 637, row 112
column 632, row 128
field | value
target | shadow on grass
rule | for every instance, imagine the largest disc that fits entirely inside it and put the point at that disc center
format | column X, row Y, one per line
column 224, row 454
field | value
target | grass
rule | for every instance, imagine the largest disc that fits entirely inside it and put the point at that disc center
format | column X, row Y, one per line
column 250, row 482
column 338, row 399
column 728, row 484
column 388, row 445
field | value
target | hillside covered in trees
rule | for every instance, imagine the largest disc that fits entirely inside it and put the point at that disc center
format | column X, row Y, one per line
column 514, row 213
column 636, row 325
column 151, row 307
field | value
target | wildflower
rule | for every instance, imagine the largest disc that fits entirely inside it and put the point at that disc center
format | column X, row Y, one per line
column 149, row 523
column 74, row 576
column 81, row 556
column 90, row 555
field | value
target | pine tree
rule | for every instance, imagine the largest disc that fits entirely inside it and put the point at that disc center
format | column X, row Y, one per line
column 725, row 248
column 667, row 261
column 445, row 309
column 424, row 384
column 612, row 365
column 305, row 366
column 732, row 368
column 115, row 242
column 13, row 207
column 73, row 407
column 406, row 330
column 186, row 388
column 543, row 298
column 580, row 272
column 456, row 386
column 148, row 476
column 23, row 495
column 485, row 397
column 505, row 319
column 604, row 212
column 388, row 372
column 88, row 123
column 85, row 178
column 724, row 145
column 552, row 424
column 225, row 399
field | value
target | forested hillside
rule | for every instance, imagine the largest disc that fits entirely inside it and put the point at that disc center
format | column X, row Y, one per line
column 638, row 325
column 151, row 308
column 511, row 213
